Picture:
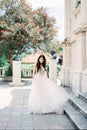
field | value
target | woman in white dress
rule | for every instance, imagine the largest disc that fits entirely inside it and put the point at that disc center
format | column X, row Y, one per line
column 45, row 96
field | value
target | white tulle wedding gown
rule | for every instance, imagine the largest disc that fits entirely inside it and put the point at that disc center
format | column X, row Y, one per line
column 45, row 96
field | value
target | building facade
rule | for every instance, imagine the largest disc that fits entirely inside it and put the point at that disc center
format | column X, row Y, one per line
column 74, row 72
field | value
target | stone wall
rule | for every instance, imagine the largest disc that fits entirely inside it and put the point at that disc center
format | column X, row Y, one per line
column 75, row 52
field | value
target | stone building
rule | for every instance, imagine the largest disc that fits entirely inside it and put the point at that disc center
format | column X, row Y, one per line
column 75, row 46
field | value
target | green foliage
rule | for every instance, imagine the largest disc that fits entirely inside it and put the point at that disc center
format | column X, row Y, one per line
column 47, row 67
column 9, row 71
column 22, row 28
column 3, row 61
column 55, row 49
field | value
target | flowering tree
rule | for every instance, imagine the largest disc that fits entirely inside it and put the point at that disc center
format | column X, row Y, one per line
column 43, row 28
column 22, row 28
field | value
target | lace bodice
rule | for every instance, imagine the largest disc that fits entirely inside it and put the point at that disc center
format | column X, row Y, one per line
column 42, row 71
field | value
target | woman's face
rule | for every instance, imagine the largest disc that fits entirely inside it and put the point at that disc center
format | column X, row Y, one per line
column 41, row 60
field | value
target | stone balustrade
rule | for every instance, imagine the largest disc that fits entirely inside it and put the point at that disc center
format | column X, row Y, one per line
column 26, row 72
column 2, row 71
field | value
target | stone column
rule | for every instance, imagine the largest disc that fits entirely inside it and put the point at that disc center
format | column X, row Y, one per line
column 64, row 66
column 86, row 49
column 53, row 70
column 16, row 72
column 64, row 56
column 67, row 18
column 84, row 74
column 80, row 65
column 83, row 12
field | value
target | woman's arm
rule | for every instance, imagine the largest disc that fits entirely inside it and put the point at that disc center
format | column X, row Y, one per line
column 34, row 70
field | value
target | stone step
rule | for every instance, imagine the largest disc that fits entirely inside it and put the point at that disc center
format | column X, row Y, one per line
column 75, row 116
column 83, row 97
column 79, row 104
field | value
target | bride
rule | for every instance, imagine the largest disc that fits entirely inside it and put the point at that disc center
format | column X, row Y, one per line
column 45, row 96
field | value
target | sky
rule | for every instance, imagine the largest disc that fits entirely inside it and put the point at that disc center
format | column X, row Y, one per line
column 56, row 9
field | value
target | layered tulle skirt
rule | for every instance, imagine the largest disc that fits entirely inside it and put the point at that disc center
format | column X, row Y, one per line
column 45, row 96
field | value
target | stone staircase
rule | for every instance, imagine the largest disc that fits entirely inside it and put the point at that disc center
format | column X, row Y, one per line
column 76, row 110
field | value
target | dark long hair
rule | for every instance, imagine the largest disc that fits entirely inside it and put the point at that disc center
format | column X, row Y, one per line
column 43, row 64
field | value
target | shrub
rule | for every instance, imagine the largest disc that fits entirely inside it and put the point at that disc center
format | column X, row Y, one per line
column 9, row 71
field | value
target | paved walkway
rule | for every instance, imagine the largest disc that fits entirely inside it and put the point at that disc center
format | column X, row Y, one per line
column 14, row 114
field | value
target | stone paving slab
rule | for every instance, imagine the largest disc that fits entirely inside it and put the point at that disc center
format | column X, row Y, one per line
column 14, row 114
